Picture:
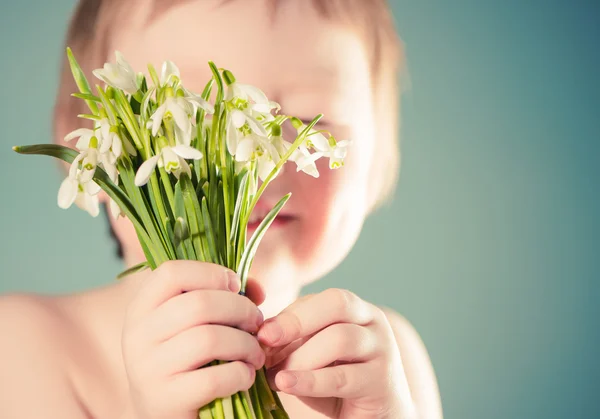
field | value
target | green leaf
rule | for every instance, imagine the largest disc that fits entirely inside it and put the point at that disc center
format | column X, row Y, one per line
column 89, row 116
column 68, row 155
column 134, row 269
column 140, row 202
column 250, row 251
column 180, row 213
column 86, row 96
column 241, row 201
column 210, row 233
column 80, row 80
column 193, row 211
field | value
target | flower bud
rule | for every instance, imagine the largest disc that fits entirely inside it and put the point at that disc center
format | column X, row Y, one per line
column 228, row 77
column 181, row 230
column 110, row 92
column 332, row 142
column 276, row 130
column 296, row 122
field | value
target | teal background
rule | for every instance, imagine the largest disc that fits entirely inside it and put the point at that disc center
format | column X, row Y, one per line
column 491, row 246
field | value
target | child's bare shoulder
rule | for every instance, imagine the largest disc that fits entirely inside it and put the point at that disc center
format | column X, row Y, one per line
column 34, row 359
column 417, row 365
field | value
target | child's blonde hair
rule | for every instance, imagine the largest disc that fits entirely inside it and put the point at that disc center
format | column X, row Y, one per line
column 92, row 21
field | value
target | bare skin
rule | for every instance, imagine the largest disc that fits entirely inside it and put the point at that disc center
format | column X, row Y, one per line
column 80, row 373
column 82, row 356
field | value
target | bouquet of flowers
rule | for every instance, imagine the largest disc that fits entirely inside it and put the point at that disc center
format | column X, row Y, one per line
column 187, row 173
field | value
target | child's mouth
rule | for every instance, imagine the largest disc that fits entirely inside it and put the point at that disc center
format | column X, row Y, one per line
column 257, row 217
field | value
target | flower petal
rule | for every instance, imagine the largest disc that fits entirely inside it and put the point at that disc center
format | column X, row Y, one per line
column 117, row 145
column 92, row 188
column 254, row 93
column 256, row 126
column 179, row 114
column 169, row 69
column 145, row 171
column 245, row 149
column 157, row 118
column 106, row 143
column 67, row 192
column 232, row 138
column 89, row 203
column 265, row 166
column 80, row 132
column 115, row 210
column 319, row 141
column 238, row 118
column 187, row 152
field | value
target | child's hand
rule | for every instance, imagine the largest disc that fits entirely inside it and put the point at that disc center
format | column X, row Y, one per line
column 184, row 316
column 338, row 354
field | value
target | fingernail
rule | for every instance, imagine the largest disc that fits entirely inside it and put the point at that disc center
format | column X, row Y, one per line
column 234, row 282
column 272, row 331
column 261, row 318
column 288, row 379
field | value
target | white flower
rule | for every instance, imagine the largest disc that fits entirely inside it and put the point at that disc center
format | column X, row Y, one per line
column 299, row 155
column 89, row 161
column 84, row 194
column 169, row 70
column 171, row 158
column 181, row 111
column 315, row 139
column 251, row 100
column 256, row 147
column 336, row 154
column 239, row 126
column 119, row 75
column 197, row 101
column 84, row 135
column 115, row 210
column 246, row 93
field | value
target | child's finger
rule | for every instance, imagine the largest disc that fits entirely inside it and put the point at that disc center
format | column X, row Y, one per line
column 343, row 381
column 199, row 307
column 309, row 315
column 338, row 342
column 255, row 291
column 175, row 277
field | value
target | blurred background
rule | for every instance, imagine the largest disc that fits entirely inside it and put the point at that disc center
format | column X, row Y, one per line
column 491, row 246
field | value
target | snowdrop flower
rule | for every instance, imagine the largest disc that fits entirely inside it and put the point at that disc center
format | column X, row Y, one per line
column 119, row 75
column 248, row 98
column 114, row 208
column 171, row 158
column 169, row 70
column 197, row 101
column 314, row 139
column 239, row 126
column 336, row 154
column 256, row 147
column 299, row 156
column 181, row 111
column 89, row 161
column 84, row 136
column 83, row 194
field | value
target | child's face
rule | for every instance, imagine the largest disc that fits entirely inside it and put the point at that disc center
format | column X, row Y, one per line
column 308, row 65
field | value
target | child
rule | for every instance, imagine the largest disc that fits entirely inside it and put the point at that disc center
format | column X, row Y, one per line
column 131, row 349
